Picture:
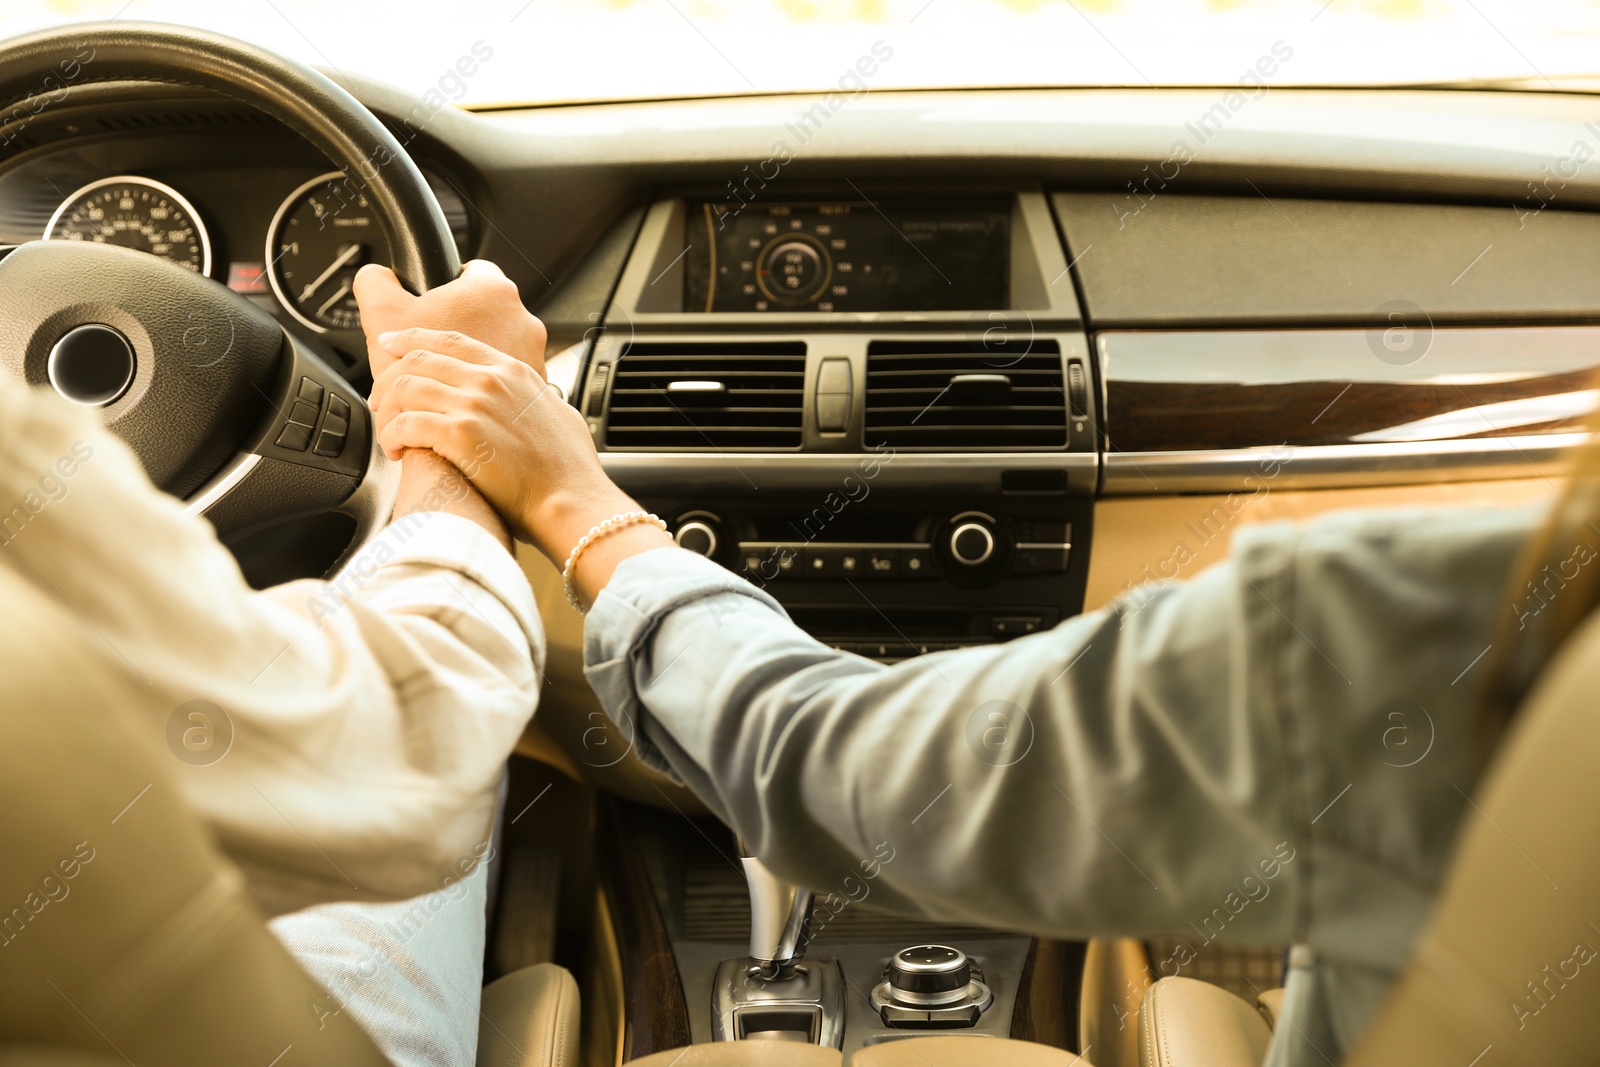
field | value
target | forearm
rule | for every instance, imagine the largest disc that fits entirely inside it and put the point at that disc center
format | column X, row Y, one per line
column 562, row 520
column 1070, row 761
column 362, row 720
column 430, row 483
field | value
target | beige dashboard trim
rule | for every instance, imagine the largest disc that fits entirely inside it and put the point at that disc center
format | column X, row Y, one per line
column 1138, row 539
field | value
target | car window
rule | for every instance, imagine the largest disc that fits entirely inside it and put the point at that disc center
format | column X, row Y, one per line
column 534, row 51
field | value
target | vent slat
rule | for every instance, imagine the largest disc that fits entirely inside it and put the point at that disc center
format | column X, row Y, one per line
column 789, row 394
column 690, row 431
column 975, row 409
column 910, row 402
column 760, row 409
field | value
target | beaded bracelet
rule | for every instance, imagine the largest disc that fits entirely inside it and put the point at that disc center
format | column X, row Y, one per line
column 610, row 526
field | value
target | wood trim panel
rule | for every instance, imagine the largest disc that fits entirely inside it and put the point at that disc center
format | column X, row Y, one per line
column 1195, row 390
column 654, row 1010
column 1180, row 416
column 1046, row 1009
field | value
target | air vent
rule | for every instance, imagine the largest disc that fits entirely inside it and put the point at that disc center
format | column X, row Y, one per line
column 708, row 396
column 955, row 395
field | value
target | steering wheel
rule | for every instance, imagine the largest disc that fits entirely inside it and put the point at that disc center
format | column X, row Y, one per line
column 223, row 406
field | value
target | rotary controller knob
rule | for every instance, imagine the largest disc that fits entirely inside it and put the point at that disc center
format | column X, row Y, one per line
column 930, row 975
column 699, row 534
column 972, row 543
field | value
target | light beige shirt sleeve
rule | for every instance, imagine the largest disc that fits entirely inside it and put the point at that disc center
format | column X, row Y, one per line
column 350, row 733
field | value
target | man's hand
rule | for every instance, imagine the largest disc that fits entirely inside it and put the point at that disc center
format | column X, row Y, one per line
column 482, row 303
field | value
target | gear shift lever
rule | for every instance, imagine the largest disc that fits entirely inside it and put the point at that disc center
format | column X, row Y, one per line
column 780, row 919
column 774, row 994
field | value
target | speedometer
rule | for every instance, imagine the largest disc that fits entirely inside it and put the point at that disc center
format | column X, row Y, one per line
column 137, row 213
column 322, row 234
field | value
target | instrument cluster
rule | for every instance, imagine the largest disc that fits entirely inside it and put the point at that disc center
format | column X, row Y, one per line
column 288, row 238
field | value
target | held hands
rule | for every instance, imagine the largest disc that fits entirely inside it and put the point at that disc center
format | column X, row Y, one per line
column 481, row 303
column 460, row 371
column 496, row 418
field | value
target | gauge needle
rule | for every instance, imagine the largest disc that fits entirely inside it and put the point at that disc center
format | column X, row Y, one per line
column 346, row 256
column 338, row 295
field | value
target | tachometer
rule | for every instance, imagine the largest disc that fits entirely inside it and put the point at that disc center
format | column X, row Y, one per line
column 322, row 234
column 138, row 213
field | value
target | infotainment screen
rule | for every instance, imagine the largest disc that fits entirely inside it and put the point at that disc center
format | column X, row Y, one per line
column 907, row 255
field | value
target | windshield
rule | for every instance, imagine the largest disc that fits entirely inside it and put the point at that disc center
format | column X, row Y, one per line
column 479, row 52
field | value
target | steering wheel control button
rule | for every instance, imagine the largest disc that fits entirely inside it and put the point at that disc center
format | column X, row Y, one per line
column 295, row 436
column 330, row 442
column 311, row 390
column 335, row 428
column 302, row 418
column 972, row 544
column 931, row 986
column 91, row 365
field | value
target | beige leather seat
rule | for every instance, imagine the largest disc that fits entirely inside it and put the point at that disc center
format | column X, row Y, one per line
column 952, row 1051
column 744, row 1054
column 964, row 1051
column 127, row 936
column 1508, row 970
column 1189, row 1023
column 530, row 1019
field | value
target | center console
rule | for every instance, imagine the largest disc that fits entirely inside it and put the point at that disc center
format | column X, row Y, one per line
column 880, row 408
column 882, row 411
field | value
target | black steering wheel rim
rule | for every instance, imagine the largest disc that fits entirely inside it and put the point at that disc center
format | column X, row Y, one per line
column 216, row 382
column 45, row 66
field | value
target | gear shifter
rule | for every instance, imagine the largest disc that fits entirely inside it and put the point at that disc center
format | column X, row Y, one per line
column 780, row 919
column 775, row 994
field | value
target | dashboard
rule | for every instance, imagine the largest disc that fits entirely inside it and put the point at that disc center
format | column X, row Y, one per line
column 973, row 362
column 906, row 384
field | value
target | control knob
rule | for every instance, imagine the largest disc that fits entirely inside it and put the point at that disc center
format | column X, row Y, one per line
column 972, row 542
column 699, row 532
column 929, row 975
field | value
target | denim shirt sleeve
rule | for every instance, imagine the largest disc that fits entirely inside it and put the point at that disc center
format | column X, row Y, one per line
column 1107, row 776
column 1277, row 751
column 1214, row 759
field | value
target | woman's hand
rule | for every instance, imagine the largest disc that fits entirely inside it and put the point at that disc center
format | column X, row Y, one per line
column 523, row 446
column 481, row 303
